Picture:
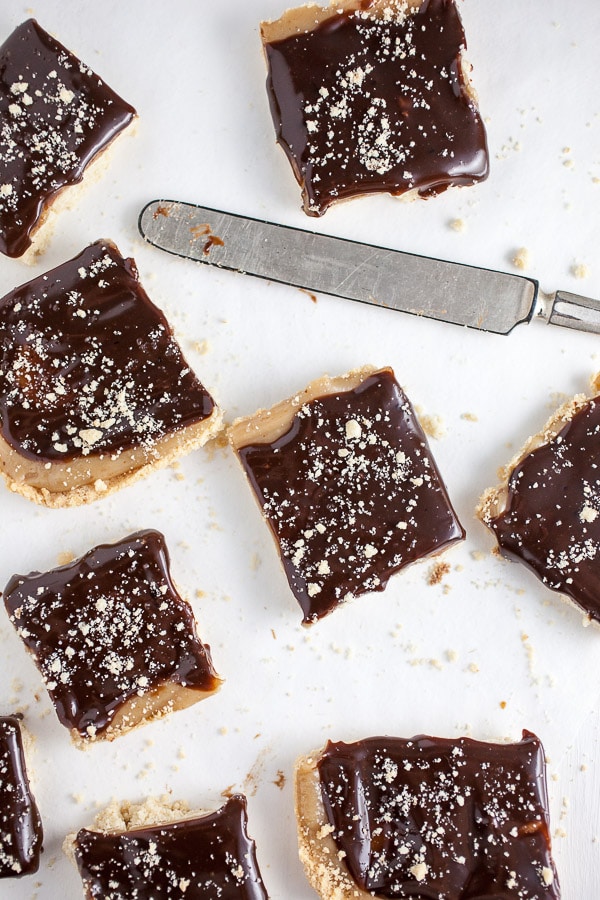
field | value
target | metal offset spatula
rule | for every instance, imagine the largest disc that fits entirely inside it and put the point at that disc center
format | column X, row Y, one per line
column 446, row 291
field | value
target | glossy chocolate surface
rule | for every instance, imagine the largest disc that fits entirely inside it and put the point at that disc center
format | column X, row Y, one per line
column 21, row 832
column 203, row 858
column 444, row 819
column 552, row 516
column 352, row 494
column 88, row 364
column 367, row 102
column 56, row 115
column 107, row 628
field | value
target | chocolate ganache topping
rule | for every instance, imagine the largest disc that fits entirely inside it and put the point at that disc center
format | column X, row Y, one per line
column 375, row 100
column 439, row 818
column 107, row 628
column 21, row 831
column 89, row 365
column 55, row 115
column 551, row 521
column 352, row 494
column 202, row 858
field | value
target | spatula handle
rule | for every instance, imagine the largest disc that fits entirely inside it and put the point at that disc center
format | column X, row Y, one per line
column 574, row 311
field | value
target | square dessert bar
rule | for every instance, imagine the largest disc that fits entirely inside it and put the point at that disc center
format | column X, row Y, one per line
column 21, row 832
column 94, row 388
column 56, row 117
column 153, row 850
column 374, row 97
column 348, row 486
column 115, row 643
column 545, row 512
column 426, row 817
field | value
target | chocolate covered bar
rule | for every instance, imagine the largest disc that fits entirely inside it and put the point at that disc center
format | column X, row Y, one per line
column 115, row 643
column 347, row 483
column 21, row 832
column 57, row 117
column 545, row 513
column 374, row 96
column 94, row 389
column 150, row 850
column 426, row 817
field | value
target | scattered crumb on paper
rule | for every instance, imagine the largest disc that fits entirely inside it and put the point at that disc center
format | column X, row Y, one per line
column 437, row 572
column 520, row 259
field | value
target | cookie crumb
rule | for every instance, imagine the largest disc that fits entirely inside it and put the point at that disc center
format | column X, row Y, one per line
column 432, row 425
column 437, row 572
column 419, row 871
column 521, row 258
column 579, row 270
column 64, row 558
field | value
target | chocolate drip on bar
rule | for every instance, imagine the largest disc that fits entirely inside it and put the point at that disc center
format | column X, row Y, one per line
column 375, row 100
column 457, row 818
column 352, row 494
column 56, row 115
column 200, row 859
column 21, row 832
column 552, row 517
column 88, row 364
column 107, row 628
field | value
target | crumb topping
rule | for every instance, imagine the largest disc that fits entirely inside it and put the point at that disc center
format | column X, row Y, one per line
column 551, row 521
column 55, row 116
column 108, row 628
column 89, row 365
column 375, row 99
column 440, row 813
column 352, row 494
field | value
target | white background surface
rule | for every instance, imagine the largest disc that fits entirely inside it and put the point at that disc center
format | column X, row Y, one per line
column 416, row 658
